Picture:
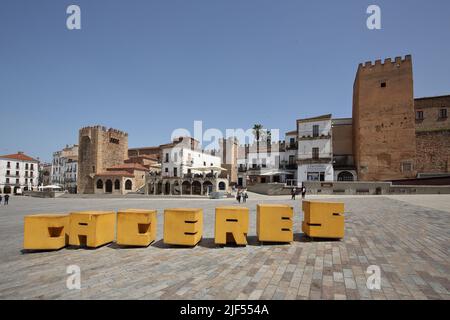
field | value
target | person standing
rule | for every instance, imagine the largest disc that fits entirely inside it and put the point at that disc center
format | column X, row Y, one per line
column 6, row 199
column 293, row 192
column 244, row 196
column 303, row 192
column 1, row 199
column 238, row 196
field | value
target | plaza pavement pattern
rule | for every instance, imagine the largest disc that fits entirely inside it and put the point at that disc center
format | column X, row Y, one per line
column 409, row 242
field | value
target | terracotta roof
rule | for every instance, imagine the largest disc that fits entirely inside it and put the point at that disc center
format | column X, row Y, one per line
column 291, row 132
column 133, row 165
column 115, row 174
column 326, row 116
column 19, row 156
column 144, row 156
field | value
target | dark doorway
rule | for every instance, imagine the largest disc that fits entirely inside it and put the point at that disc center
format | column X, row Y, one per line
column 108, row 186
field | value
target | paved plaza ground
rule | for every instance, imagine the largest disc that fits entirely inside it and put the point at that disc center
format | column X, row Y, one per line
column 408, row 237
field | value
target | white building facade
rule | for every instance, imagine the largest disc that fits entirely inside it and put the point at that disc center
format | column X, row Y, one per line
column 315, row 154
column 18, row 172
column 64, row 168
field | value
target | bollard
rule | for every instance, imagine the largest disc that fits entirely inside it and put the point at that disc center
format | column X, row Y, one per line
column 136, row 227
column 274, row 223
column 92, row 228
column 183, row 226
column 231, row 225
column 323, row 219
column 45, row 231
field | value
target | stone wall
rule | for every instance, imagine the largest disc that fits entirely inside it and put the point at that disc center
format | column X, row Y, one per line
column 433, row 151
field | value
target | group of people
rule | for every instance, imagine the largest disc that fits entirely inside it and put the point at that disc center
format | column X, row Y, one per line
column 295, row 190
column 241, row 194
column 6, row 199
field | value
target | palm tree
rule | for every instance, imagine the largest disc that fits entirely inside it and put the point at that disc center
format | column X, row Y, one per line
column 257, row 132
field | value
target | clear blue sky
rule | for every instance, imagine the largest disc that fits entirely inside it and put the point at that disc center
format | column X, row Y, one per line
column 148, row 67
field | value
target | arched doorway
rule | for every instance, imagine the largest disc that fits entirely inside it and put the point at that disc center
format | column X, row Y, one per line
column 108, row 186
column 196, row 188
column 186, row 187
column 345, row 176
column 150, row 188
column 15, row 189
column 207, row 187
column 176, row 188
column 117, row 185
column 167, row 188
column 128, row 185
column 222, row 186
column 159, row 188
column 99, row 184
column 7, row 190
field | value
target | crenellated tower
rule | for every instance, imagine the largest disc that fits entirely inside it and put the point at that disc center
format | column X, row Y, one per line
column 99, row 148
column 384, row 120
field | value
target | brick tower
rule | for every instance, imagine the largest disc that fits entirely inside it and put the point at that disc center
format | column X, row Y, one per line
column 384, row 120
column 99, row 148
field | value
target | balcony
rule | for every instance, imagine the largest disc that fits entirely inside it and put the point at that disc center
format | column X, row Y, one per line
column 292, row 146
column 311, row 136
column 324, row 157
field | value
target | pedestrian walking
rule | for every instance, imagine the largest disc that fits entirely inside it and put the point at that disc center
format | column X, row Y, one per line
column 238, row 196
column 303, row 192
column 6, row 199
column 1, row 199
column 293, row 193
column 244, row 196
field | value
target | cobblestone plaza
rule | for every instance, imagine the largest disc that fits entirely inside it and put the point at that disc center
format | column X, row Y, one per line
column 408, row 237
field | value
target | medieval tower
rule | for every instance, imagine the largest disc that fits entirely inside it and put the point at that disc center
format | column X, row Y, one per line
column 99, row 148
column 384, row 120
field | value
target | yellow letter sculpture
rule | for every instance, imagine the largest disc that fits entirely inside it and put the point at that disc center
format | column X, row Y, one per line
column 136, row 227
column 92, row 228
column 274, row 223
column 183, row 226
column 45, row 231
column 323, row 219
column 231, row 225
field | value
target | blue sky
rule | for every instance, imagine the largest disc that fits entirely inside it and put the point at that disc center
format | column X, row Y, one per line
column 148, row 67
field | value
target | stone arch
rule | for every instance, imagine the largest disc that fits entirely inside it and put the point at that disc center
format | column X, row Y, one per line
column 108, row 186
column 207, row 185
column 128, row 185
column 99, row 184
column 186, row 187
column 345, row 176
column 117, row 184
column 196, row 187
column 222, row 186
column 7, row 190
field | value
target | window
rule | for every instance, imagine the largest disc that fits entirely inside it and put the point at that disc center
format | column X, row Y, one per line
column 26, row 181
column 31, row 167
column 419, row 115
column 128, row 185
column 31, row 181
column 264, row 164
column 117, row 185
column 315, row 153
column 99, row 184
column 26, row 166
column 291, row 160
column 8, row 165
column 17, row 173
column 315, row 130
column 292, row 142
column 7, row 180
column 383, row 84
column 8, row 172
column 204, row 163
column 17, row 181
column 407, row 166
column 175, row 172
column 17, row 165
column 443, row 113
column 166, row 170
column 167, row 157
column 113, row 140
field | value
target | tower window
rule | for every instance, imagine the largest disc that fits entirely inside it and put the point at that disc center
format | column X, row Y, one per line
column 443, row 113
column 419, row 115
column 383, row 84
column 113, row 140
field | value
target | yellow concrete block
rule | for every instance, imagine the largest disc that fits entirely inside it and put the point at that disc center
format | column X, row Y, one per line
column 183, row 226
column 92, row 228
column 274, row 223
column 323, row 219
column 45, row 231
column 136, row 227
column 231, row 225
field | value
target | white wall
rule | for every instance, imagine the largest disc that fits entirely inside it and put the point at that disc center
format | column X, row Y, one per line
column 33, row 179
column 184, row 158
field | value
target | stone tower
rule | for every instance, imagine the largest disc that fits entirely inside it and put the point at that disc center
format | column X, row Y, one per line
column 99, row 148
column 384, row 120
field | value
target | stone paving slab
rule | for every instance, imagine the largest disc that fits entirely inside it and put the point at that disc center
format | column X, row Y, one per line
column 409, row 243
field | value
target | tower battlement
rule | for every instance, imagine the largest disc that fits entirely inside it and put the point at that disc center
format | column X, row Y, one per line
column 89, row 129
column 387, row 63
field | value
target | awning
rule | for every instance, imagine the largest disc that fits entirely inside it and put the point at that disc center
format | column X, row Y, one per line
column 208, row 169
column 275, row 173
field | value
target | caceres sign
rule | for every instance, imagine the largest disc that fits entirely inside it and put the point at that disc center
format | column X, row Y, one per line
column 182, row 226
